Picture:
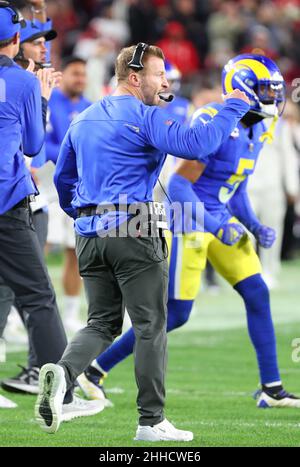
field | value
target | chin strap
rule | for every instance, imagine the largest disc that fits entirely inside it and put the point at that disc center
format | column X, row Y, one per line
column 268, row 135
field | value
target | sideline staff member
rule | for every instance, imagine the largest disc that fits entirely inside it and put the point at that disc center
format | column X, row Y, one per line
column 22, row 266
column 118, row 146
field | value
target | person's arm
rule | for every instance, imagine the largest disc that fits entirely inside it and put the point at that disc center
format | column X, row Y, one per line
column 66, row 176
column 241, row 208
column 180, row 190
column 199, row 141
column 52, row 148
column 33, row 132
column 53, row 141
column 39, row 160
column 39, row 10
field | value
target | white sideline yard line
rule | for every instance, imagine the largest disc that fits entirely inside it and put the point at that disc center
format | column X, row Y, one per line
column 192, row 393
column 115, row 390
column 189, row 392
column 241, row 424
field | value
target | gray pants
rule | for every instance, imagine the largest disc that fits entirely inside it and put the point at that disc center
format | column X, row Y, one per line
column 129, row 272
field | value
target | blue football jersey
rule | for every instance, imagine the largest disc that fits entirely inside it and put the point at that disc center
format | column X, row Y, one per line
column 232, row 163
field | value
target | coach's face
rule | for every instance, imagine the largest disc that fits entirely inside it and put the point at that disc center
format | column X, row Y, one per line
column 153, row 80
column 36, row 50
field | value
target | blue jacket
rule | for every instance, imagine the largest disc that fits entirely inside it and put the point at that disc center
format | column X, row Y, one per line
column 21, row 131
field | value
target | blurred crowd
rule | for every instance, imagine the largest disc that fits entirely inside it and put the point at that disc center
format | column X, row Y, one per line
column 198, row 36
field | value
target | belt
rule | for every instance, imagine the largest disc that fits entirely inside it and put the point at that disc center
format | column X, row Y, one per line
column 152, row 211
column 24, row 203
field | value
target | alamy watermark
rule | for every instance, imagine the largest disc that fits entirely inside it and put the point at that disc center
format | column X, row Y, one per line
column 150, row 219
column 295, row 94
column 296, row 350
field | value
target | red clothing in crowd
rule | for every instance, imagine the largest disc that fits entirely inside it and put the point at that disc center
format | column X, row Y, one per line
column 179, row 50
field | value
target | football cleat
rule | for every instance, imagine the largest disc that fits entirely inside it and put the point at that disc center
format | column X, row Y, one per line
column 91, row 383
column 25, row 382
column 281, row 398
column 163, row 431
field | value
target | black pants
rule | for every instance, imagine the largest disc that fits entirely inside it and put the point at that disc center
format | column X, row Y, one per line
column 23, row 270
column 7, row 298
column 132, row 272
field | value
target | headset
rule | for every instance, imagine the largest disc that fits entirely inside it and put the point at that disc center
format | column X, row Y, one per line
column 137, row 57
column 17, row 16
column 137, row 64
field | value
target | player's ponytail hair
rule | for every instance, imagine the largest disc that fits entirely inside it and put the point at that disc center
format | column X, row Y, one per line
column 122, row 69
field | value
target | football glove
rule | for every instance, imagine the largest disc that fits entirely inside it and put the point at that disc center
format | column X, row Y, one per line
column 229, row 234
column 265, row 236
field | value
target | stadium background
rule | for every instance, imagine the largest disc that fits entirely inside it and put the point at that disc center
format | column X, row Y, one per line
column 212, row 370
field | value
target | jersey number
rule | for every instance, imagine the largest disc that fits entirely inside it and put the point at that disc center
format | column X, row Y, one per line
column 227, row 192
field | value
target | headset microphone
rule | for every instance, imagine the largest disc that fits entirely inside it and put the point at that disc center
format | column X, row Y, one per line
column 166, row 96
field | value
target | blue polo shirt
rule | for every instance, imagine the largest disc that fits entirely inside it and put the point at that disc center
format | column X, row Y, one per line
column 21, row 131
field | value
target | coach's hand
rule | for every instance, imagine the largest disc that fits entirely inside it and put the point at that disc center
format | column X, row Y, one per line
column 237, row 94
column 265, row 236
column 229, row 234
column 49, row 79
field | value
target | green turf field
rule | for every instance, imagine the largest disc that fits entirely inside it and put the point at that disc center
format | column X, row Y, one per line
column 211, row 376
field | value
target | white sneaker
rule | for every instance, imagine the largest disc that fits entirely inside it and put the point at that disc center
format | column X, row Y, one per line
column 52, row 388
column 163, row 431
column 283, row 399
column 6, row 403
column 81, row 408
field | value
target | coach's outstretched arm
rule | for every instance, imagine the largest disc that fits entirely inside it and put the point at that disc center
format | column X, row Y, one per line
column 201, row 140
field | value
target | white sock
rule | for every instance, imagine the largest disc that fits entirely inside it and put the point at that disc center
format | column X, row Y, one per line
column 273, row 385
column 71, row 307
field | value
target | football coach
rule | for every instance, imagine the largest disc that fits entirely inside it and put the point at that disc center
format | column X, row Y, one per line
column 109, row 161
column 22, row 131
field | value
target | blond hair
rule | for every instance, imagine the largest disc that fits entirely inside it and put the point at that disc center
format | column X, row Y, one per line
column 122, row 69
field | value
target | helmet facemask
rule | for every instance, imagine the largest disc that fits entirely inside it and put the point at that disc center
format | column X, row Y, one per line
column 270, row 97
